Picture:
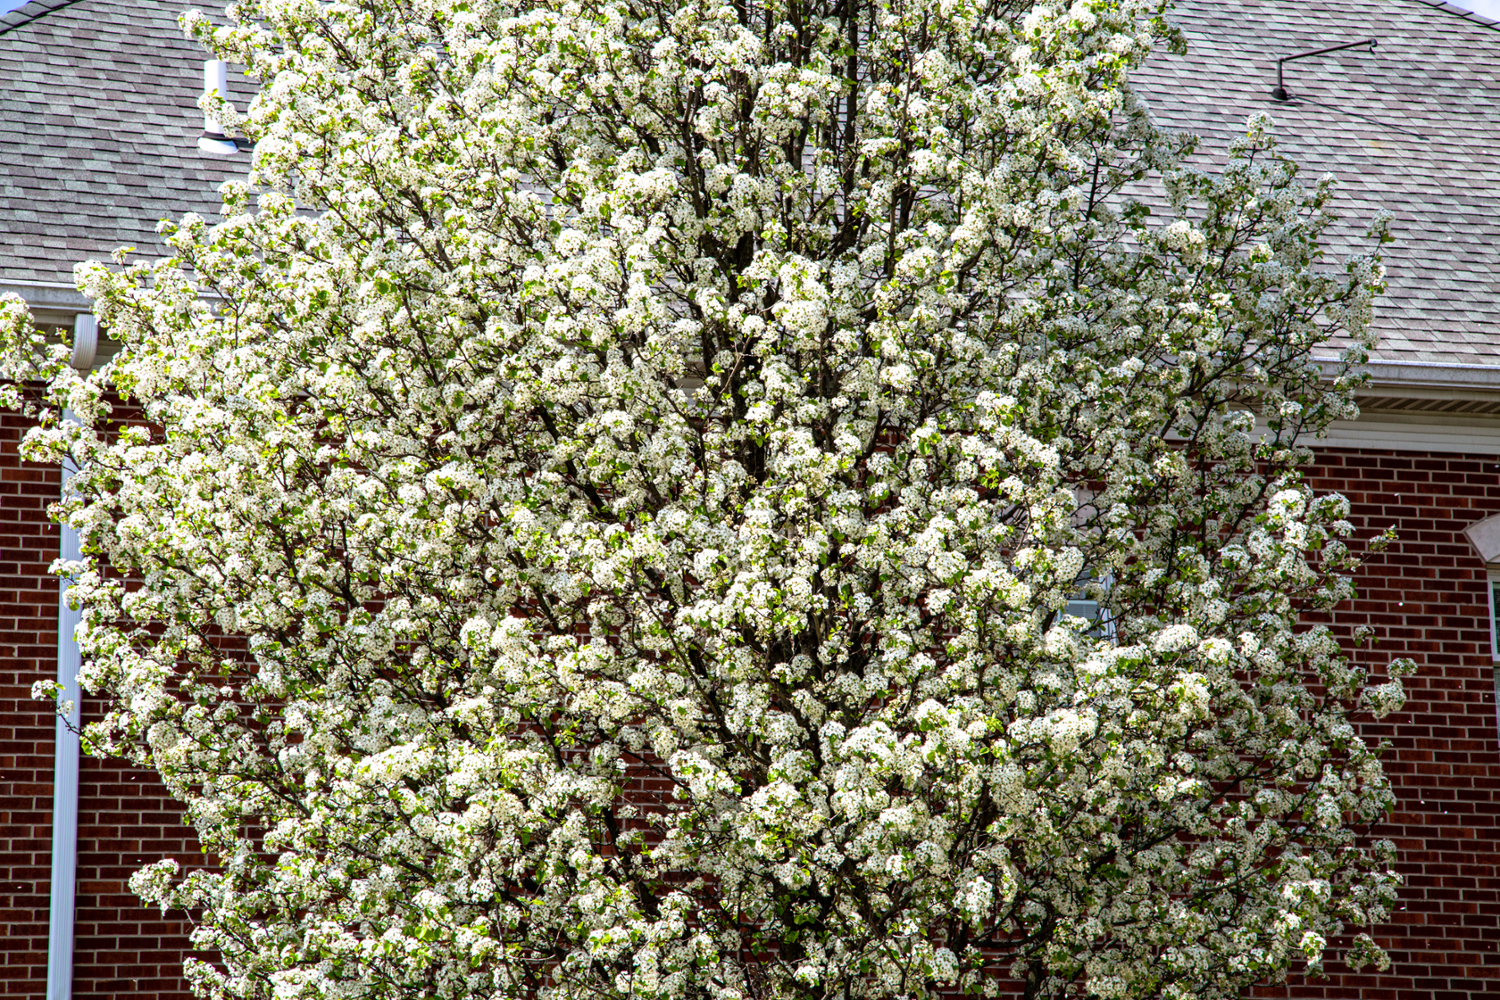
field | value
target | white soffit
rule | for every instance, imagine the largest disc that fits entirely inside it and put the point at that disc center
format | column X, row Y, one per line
column 1448, row 434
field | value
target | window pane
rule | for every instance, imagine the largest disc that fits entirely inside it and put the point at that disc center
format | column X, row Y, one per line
column 1494, row 619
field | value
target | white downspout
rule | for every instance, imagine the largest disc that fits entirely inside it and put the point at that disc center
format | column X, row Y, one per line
column 65, row 765
column 65, row 788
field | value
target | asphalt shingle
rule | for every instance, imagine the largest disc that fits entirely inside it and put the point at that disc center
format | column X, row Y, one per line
column 1413, row 127
column 99, row 127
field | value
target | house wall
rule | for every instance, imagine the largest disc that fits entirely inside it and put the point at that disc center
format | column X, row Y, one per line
column 120, row 949
column 28, row 651
column 1425, row 597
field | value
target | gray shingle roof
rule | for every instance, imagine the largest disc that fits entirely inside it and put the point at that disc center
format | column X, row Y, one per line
column 99, row 123
column 98, row 134
column 1413, row 127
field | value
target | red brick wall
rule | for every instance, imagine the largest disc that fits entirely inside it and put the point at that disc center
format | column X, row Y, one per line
column 1425, row 598
column 120, row 950
column 28, row 652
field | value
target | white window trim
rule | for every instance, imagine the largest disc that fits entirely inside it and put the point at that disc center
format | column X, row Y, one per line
column 1491, row 582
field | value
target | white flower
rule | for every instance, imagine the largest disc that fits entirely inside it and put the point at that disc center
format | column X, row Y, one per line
column 1174, row 638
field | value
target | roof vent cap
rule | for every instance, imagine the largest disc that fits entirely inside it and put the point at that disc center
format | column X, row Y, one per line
column 213, row 140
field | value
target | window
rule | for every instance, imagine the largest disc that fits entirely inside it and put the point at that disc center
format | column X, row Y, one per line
column 1081, row 606
column 1494, row 595
column 1492, row 586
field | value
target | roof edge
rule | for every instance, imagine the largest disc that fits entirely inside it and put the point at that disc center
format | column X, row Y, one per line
column 1457, row 11
column 1442, row 375
column 24, row 14
column 1434, row 375
column 48, row 294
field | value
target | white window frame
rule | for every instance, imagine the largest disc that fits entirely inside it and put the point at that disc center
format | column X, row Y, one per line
column 1491, row 583
column 1080, row 607
column 1492, row 580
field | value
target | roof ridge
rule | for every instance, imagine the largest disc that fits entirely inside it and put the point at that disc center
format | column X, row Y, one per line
column 1465, row 14
column 14, row 19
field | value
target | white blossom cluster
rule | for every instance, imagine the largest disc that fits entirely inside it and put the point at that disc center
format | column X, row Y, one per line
column 596, row 517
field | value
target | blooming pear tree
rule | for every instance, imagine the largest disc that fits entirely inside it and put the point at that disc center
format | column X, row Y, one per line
column 597, row 516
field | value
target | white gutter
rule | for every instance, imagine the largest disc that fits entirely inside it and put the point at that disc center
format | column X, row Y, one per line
column 1425, row 374
column 52, row 295
column 65, row 763
column 1436, row 375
